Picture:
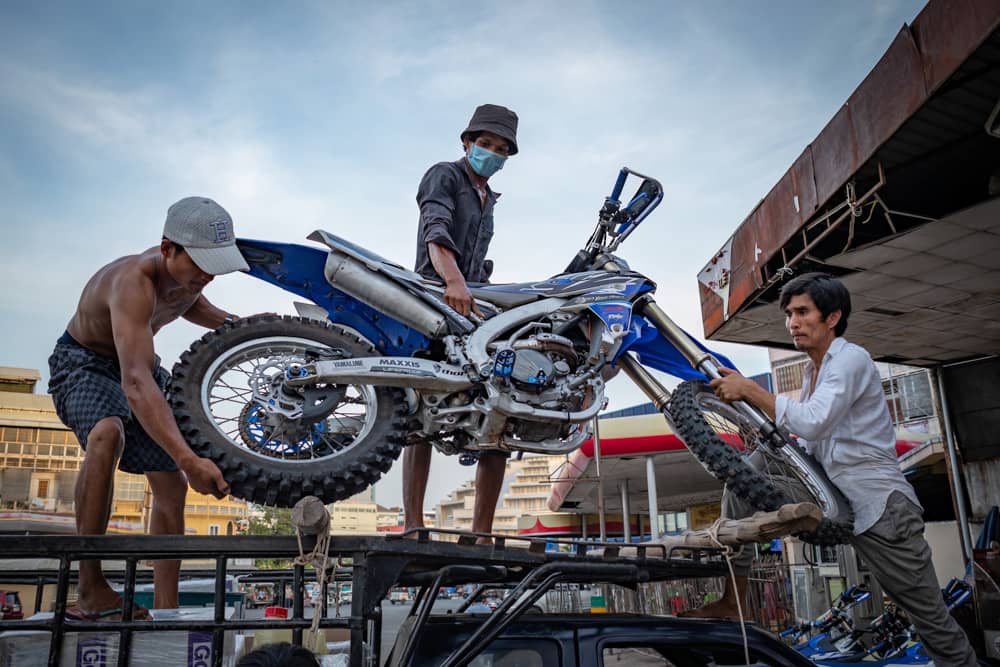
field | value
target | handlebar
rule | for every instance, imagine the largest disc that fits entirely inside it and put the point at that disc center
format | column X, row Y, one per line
column 616, row 193
column 615, row 222
column 795, row 630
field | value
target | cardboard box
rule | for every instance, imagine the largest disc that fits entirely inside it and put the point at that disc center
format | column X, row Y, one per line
column 30, row 648
column 337, row 635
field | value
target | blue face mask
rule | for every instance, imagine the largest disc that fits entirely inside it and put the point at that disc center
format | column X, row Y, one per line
column 484, row 162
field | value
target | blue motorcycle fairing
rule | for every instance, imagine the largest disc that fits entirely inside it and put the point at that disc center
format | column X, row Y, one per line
column 955, row 592
column 657, row 352
column 912, row 655
column 299, row 269
column 613, row 312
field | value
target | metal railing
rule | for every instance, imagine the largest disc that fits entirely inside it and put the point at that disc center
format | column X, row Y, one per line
column 376, row 564
column 131, row 549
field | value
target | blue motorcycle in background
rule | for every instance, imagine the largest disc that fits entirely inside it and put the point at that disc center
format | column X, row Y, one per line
column 832, row 629
column 322, row 404
column 890, row 639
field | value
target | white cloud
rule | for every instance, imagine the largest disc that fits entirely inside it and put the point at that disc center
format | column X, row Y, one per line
column 329, row 121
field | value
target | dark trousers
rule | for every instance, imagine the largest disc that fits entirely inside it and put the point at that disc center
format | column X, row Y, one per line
column 900, row 558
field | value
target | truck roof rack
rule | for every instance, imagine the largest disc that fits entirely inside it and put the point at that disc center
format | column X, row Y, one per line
column 374, row 564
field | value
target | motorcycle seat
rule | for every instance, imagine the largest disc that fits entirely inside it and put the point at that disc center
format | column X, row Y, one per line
column 499, row 295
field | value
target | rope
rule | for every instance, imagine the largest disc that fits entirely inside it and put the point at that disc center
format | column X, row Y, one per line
column 779, row 275
column 320, row 554
column 727, row 550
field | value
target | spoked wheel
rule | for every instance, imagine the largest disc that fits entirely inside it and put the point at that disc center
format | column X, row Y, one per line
column 724, row 440
column 274, row 443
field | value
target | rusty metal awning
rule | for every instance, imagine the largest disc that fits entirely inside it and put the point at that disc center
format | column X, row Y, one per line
column 899, row 195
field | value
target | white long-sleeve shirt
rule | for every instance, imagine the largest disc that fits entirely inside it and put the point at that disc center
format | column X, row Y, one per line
column 844, row 423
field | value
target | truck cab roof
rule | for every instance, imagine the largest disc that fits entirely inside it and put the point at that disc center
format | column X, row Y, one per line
column 584, row 640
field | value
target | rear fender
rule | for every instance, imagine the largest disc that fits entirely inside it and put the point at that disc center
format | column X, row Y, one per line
column 299, row 269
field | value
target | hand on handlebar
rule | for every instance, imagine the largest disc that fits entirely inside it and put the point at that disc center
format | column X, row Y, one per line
column 731, row 386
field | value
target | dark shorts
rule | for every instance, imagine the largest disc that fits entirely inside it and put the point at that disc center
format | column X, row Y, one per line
column 87, row 387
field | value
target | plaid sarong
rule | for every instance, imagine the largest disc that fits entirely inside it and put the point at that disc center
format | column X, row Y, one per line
column 87, row 387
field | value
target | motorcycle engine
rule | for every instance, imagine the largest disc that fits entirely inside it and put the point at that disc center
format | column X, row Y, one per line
column 533, row 370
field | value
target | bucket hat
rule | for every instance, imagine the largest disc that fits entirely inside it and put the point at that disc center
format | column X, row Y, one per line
column 494, row 118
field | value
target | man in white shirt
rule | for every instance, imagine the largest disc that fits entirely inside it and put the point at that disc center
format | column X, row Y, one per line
column 842, row 420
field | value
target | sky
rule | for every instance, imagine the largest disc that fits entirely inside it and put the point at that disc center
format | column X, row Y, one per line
column 299, row 115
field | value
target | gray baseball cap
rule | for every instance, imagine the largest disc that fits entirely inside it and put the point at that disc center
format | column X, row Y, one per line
column 205, row 230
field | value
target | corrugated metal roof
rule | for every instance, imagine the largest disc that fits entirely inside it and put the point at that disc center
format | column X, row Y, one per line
column 920, row 254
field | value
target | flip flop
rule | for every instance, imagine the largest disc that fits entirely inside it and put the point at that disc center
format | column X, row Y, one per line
column 139, row 613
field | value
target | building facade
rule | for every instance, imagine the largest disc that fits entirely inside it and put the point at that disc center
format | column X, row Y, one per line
column 39, row 462
column 358, row 515
column 525, row 491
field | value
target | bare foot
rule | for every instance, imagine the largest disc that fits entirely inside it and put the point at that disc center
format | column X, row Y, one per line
column 719, row 609
column 102, row 603
column 97, row 597
column 484, row 540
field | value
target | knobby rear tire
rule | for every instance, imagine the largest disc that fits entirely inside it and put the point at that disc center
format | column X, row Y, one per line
column 279, row 482
column 730, row 466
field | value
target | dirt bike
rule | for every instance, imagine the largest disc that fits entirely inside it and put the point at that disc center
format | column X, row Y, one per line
column 823, row 633
column 322, row 404
column 888, row 641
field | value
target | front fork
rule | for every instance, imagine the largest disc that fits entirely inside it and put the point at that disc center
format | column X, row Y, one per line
column 697, row 357
column 803, row 466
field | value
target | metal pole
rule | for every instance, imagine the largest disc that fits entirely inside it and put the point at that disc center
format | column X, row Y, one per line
column 848, row 562
column 39, row 592
column 218, row 636
column 601, row 519
column 298, row 593
column 626, row 513
column 654, row 513
column 956, row 474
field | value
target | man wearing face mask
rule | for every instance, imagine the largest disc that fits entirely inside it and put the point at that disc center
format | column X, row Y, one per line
column 456, row 225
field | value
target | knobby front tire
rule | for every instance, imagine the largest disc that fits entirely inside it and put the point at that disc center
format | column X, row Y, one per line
column 701, row 421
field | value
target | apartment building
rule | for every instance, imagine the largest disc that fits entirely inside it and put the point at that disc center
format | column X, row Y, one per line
column 525, row 490
column 39, row 462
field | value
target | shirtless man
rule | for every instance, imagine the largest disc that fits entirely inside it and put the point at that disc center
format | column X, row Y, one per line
column 107, row 385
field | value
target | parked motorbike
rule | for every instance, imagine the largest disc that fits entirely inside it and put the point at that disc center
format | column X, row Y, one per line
column 826, row 632
column 322, row 404
column 890, row 639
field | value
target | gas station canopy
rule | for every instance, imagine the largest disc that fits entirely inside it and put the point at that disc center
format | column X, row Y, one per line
column 680, row 480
